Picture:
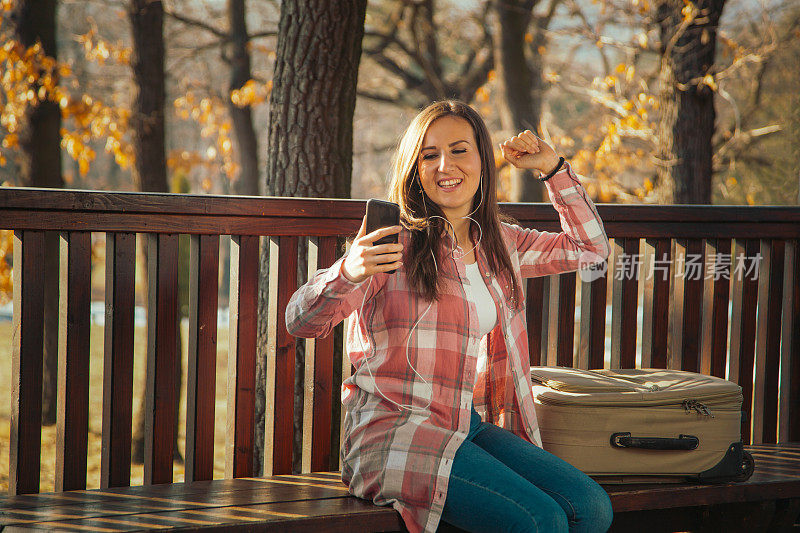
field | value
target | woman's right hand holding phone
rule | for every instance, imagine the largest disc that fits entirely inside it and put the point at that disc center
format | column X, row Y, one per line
column 365, row 259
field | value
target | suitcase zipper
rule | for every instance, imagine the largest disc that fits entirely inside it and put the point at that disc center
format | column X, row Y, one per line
column 693, row 405
column 723, row 402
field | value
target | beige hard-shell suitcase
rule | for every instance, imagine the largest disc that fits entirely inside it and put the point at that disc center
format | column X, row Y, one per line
column 642, row 425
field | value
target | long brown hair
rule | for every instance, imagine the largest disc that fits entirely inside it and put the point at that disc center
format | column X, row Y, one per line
column 416, row 208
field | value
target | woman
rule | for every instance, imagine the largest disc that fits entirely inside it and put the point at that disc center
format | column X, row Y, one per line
column 439, row 418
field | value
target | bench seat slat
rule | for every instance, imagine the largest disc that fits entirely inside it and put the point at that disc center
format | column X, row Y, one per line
column 319, row 502
column 776, row 476
column 311, row 515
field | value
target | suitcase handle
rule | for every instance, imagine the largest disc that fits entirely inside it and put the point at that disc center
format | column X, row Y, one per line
column 683, row 442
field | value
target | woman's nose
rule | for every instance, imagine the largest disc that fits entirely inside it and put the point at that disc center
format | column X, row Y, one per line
column 444, row 163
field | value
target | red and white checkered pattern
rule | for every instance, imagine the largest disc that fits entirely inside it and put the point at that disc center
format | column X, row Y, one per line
column 400, row 457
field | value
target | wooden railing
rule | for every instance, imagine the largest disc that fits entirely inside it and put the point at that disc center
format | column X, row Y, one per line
column 685, row 321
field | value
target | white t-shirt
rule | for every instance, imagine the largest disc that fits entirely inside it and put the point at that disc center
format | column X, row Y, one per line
column 478, row 293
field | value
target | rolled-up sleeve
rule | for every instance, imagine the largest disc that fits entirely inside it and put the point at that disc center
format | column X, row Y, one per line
column 327, row 299
column 583, row 240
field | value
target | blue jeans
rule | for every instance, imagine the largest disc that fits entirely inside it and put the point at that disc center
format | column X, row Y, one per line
column 500, row 482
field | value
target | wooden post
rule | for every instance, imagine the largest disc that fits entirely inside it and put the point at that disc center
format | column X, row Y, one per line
column 73, row 361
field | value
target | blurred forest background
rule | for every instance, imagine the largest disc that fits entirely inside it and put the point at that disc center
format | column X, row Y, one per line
column 592, row 69
column 653, row 101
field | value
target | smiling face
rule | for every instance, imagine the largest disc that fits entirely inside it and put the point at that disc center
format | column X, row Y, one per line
column 449, row 165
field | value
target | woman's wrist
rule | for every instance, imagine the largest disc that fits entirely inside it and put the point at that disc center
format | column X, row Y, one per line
column 555, row 168
column 349, row 277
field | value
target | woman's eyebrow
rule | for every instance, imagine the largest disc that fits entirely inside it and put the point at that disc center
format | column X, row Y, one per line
column 451, row 144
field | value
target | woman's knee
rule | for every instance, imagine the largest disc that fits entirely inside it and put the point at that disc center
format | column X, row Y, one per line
column 475, row 507
column 541, row 517
column 594, row 512
column 552, row 519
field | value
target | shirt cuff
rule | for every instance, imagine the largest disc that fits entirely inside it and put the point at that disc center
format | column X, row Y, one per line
column 563, row 182
column 336, row 283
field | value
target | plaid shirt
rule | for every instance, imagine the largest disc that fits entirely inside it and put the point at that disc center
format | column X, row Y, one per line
column 403, row 458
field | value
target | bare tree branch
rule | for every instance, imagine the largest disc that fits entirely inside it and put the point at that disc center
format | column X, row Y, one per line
column 261, row 34
column 189, row 21
column 400, row 98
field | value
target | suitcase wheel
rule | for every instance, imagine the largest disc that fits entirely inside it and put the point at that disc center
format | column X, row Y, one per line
column 747, row 466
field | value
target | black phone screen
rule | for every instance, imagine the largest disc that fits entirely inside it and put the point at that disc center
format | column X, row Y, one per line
column 382, row 214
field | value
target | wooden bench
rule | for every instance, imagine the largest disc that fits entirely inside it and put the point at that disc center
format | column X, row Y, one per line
column 685, row 324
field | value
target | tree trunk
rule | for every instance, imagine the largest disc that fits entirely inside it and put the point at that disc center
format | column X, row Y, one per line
column 40, row 166
column 522, row 86
column 147, row 117
column 310, row 139
column 147, row 124
column 686, row 124
column 242, row 117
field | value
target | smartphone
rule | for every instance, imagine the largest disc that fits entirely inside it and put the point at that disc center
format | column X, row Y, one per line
column 382, row 214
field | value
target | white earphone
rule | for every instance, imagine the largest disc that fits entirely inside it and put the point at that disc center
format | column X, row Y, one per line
column 411, row 331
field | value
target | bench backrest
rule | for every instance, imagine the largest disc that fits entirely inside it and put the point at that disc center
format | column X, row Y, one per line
column 744, row 324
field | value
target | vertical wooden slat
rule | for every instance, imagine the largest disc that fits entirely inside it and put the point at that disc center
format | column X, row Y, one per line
column 284, row 277
column 115, row 454
column 768, row 338
column 202, row 364
column 789, row 417
column 162, row 357
column 311, row 347
column 533, row 313
column 242, row 356
column 716, row 294
column 347, row 371
column 318, row 375
column 656, row 269
column 272, row 245
column 26, row 363
column 561, row 326
column 624, row 301
column 549, row 320
column 743, row 329
column 591, row 353
column 73, row 361
column 687, row 305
